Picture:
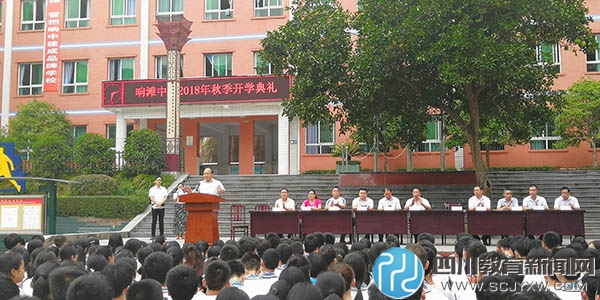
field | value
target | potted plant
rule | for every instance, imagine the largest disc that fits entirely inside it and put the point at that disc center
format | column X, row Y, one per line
column 346, row 151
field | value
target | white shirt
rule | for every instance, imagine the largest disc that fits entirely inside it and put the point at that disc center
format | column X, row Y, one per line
column 280, row 205
column 159, row 194
column 210, row 187
column 417, row 206
column 178, row 193
column 362, row 204
column 389, row 204
column 484, row 201
column 530, row 203
column 335, row 202
column 562, row 202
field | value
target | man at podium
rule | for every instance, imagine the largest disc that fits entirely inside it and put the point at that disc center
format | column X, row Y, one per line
column 210, row 185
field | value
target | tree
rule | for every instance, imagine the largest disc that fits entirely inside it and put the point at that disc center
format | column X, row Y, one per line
column 144, row 153
column 38, row 119
column 579, row 119
column 93, row 154
column 51, row 156
column 470, row 59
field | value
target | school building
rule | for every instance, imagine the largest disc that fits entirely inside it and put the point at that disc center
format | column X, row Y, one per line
column 104, row 64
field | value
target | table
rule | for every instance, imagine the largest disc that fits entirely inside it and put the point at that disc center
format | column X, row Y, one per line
column 496, row 222
column 437, row 222
column 263, row 222
column 327, row 221
column 376, row 221
column 562, row 222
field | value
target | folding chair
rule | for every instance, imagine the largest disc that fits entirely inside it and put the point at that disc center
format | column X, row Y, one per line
column 238, row 220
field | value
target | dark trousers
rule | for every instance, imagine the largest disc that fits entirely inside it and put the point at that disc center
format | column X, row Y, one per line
column 158, row 215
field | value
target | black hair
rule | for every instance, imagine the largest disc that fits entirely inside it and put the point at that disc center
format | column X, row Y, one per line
column 273, row 238
column 280, row 289
column 356, row 261
column 331, row 282
column 292, row 275
column 375, row 250
column 96, row 263
column 565, row 253
column 237, row 268
column 304, row 290
column 12, row 240
column 302, row 263
column 523, row 245
column 60, row 279
column 120, row 275
column 142, row 253
column 60, row 240
column 156, row 265
column 270, row 258
column 145, row 289
column 426, row 236
column 329, row 238
column 285, row 251
column 217, row 275
column 115, row 240
column 34, row 244
column 176, row 254
column 246, row 244
column 232, row 293
column 229, row 252
column 564, row 187
column 318, row 264
column 214, row 251
column 297, row 248
column 551, row 239
column 40, row 282
column 261, row 246
column 182, row 282
column 329, row 253
column 90, row 287
column 133, row 245
column 10, row 261
column 251, row 261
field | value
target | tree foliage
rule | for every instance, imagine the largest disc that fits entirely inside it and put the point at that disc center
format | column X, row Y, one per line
column 37, row 119
column 144, row 153
column 93, row 154
column 51, row 156
column 471, row 60
column 579, row 119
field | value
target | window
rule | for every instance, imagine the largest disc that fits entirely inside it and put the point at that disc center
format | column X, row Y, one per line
column 79, row 130
column 208, row 151
column 120, row 69
column 432, row 143
column 543, row 139
column 495, row 146
column 593, row 59
column 111, row 132
column 234, row 149
column 549, row 55
column 122, row 12
column 259, row 63
column 219, row 9
column 77, row 14
column 160, row 65
column 267, row 8
column 30, row 78
column 320, row 138
column 170, row 8
column 75, row 77
column 217, row 65
column 32, row 14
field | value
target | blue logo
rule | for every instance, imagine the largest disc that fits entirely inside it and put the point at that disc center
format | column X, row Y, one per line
column 398, row 273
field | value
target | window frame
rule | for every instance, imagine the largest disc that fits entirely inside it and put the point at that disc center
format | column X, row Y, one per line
column 258, row 61
column 158, row 64
column 595, row 63
column 35, row 23
column 218, row 13
column 129, row 13
column 79, row 21
column 172, row 12
column 77, row 131
column 77, row 87
column 321, row 147
column 556, row 56
column 119, row 65
column 268, row 7
column 546, row 139
column 229, row 64
column 431, row 144
column 112, row 129
column 33, row 88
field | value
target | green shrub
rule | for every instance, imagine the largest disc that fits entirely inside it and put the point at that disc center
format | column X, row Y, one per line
column 101, row 206
column 93, row 154
column 51, row 156
column 144, row 153
column 94, row 185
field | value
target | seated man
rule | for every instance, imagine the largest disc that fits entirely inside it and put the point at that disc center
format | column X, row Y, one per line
column 284, row 203
column 477, row 202
column 508, row 202
column 534, row 201
column 389, row 203
column 566, row 200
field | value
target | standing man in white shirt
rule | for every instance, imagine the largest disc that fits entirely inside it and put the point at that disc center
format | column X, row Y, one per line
column 210, row 185
column 158, row 196
column 389, row 203
column 566, row 199
column 534, row 200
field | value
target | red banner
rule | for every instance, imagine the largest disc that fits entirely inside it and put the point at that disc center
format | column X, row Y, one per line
column 52, row 45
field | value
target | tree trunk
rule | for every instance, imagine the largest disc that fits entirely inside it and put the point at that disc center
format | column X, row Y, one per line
column 487, row 156
column 594, row 155
column 478, row 165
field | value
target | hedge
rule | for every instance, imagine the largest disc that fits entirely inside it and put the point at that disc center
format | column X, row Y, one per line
column 118, row 207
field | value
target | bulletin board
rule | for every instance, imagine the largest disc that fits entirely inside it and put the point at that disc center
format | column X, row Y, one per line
column 25, row 213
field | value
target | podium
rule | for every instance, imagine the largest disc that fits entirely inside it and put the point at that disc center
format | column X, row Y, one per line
column 202, row 221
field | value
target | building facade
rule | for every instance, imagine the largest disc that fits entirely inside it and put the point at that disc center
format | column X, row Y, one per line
column 89, row 45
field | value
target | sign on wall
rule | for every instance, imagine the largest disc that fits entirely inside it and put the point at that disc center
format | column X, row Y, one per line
column 22, row 213
column 10, row 166
column 52, row 46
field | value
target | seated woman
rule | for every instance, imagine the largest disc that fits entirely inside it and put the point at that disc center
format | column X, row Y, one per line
column 313, row 202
